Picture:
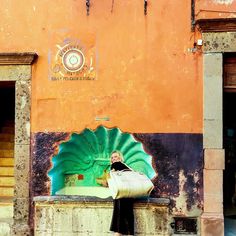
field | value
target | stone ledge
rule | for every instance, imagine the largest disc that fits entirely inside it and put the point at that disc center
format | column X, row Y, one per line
column 217, row 25
column 87, row 199
column 17, row 58
column 71, row 215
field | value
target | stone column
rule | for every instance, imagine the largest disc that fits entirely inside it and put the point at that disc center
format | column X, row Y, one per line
column 212, row 219
column 17, row 67
column 22, row 157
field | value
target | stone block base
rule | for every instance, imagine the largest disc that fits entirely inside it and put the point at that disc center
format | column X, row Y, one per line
column 212, row 224
column 93, row 218
column 21, row 230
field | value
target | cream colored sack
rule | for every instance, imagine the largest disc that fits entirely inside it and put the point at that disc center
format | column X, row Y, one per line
column 129, row 184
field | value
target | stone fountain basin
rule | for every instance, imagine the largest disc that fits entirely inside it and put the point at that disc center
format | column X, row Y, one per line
column 101, row 192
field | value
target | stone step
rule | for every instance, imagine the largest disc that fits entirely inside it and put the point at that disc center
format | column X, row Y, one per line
column 6, row 216
column 7, row 137
column 6, row 161
column 6, row 209
column 5, row 227
column 8, row 130
column 6, row 191
column 7, row 181
column 6, row 171
column 6, row 145
column 6, row 153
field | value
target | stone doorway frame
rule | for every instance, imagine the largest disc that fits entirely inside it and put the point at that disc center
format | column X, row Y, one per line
column 17, row 67
column 219, row 36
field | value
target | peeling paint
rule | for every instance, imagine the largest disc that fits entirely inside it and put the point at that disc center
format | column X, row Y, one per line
column 45, row 145
column 177, row 158
column 181, row 203
column 172, row 154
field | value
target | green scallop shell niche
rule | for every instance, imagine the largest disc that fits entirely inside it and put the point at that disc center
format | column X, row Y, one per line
column 86, row 157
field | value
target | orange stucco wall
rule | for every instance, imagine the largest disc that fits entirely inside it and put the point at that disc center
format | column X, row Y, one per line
column 147, row 78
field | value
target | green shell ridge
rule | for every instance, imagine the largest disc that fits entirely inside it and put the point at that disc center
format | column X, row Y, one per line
column 86, row 157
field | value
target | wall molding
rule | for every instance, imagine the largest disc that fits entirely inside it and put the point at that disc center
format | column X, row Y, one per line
column 217, row 25
column 17, row 58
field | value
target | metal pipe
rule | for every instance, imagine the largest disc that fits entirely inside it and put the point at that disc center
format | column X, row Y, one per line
column 192, row 15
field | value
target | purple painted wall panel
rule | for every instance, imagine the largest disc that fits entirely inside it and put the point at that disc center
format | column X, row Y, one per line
column 172, row 154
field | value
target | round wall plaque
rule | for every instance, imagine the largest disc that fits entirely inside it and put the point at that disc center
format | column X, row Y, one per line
column 73, row 60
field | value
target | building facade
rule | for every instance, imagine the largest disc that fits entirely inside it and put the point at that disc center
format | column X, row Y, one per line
column 153, row 79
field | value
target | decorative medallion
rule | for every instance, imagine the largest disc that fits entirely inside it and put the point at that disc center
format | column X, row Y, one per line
column 73, row 61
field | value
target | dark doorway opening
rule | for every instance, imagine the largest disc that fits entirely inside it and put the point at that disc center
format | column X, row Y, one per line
column 7, row 101
column 229, row 142
column 229, row 118
column 229, row 132
column 7, row 131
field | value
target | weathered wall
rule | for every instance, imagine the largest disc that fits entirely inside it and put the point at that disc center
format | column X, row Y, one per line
column 148, row 82
column 93, row 218
column 143, row 64
column 177, row 159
